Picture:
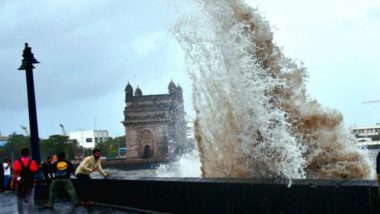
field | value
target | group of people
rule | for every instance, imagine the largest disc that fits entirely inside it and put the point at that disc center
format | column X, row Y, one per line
column 57, row 172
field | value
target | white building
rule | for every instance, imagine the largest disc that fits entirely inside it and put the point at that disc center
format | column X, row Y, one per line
column 89, row 138
column 366, row 131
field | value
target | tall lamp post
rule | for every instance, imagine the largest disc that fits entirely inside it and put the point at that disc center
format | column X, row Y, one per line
column 118, row 145
column 27, row 65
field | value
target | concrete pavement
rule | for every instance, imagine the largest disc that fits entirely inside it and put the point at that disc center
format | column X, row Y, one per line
column 8, row 205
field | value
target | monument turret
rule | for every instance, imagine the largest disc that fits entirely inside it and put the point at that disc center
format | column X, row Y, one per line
column 128, row 91
column 138, row 92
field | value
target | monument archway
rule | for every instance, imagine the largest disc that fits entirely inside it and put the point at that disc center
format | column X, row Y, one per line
column 147, row 140
column 147, row 152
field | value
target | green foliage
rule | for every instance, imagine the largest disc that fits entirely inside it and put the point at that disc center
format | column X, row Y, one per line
column 14, row 145
column 110, row 148
column 58, row 143
column 53, row 145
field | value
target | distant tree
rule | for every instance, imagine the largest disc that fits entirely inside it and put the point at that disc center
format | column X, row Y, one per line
column 87, row 151
column 14, row 145
column 103, row 147
column 53, row 145
column 58, row 143
column 110, row 147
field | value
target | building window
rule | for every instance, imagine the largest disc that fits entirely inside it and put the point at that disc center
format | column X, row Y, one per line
column 88, row 140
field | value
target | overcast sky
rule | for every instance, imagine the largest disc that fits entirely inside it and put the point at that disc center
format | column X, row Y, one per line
column 90, row 49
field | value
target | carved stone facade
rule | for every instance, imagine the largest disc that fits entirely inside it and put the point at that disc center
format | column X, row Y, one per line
column 155, row 125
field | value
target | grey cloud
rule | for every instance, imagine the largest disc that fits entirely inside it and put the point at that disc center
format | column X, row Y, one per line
column 85, row 59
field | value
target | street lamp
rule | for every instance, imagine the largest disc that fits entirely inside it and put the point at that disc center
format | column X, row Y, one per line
column 27, row 65
column 82, row 142
column 118, row 145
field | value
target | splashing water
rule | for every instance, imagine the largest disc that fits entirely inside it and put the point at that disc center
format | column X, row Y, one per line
column 253, row 115
column 188, row 165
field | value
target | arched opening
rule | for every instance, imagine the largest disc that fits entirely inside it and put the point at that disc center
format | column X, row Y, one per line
column 147, row 152
column 147, row 144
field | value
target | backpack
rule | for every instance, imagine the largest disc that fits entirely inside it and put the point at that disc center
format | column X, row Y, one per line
column 26, row 180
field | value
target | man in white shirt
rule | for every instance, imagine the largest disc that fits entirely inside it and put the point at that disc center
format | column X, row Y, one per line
column 7, row 173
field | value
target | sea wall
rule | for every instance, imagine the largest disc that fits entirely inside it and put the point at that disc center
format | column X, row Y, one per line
column 201, row 195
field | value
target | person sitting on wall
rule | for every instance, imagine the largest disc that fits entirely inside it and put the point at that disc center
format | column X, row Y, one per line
column 86, row 167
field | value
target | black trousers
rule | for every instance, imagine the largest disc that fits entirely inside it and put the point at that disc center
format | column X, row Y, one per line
column 84, row 182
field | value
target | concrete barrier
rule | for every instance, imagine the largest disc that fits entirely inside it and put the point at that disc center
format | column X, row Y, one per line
column 219, row 195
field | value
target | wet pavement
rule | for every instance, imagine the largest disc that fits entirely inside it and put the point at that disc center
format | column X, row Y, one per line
column 8, row 205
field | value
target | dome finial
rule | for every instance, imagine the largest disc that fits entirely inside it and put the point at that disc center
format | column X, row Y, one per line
column 138, row 92
column 171, row 87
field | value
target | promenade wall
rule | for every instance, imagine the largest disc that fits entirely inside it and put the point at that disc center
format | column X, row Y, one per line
column 219, row 195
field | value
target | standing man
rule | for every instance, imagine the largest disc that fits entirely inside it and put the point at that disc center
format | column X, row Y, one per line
column 47, row 170
column 24, row 170
column 62, row 170
column 86, row 167
column 7, row 173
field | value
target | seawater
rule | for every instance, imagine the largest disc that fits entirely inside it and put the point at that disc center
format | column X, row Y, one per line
column 189, row 167
column 254, row 117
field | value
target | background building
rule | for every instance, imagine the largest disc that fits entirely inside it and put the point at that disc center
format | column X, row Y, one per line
column 155, row 125
column 3, row 140
column 89, row 138
column 367, row 131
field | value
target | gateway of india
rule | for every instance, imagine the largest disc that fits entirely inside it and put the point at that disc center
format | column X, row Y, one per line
column 155, row 126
